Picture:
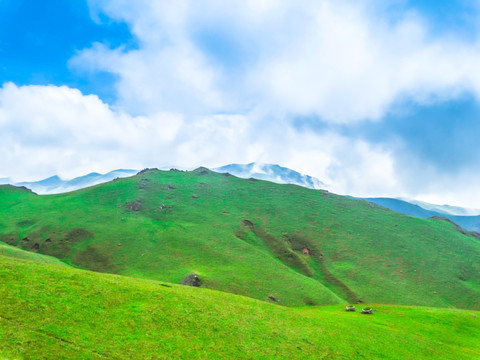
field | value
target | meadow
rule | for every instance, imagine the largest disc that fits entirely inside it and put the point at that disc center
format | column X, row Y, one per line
column 49, row 310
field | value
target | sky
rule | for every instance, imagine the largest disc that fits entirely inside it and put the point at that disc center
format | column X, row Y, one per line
column 374, row 98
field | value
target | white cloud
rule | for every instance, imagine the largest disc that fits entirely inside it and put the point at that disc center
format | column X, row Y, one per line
column 347, row 166
column 59, row 130
column 342, row 60
column 48, row 130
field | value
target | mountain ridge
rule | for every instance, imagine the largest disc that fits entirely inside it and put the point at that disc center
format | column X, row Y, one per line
column 466, row 218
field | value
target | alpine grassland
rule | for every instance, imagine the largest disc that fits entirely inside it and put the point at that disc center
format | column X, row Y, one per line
column 96, row 273
column 53, row 311
column 280, row 243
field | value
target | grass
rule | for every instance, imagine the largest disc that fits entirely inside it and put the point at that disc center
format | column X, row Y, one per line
column 252, row 238
column 11, row 251
column 53, row 311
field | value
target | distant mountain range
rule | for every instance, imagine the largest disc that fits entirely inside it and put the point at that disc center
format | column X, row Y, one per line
column 268, row 172
column 56, row 185
column 421, row 209
column 445, row 209
column 466, row 218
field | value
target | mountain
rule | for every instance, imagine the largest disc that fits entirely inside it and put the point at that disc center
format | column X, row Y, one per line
column 279, row 243
column 261, row 244
column 53, row 311
column 269, row 172
column 411, row 208
column 274, row 173
column 404, row 207
column 445, row 209
column 55, row 185
column 466, row 218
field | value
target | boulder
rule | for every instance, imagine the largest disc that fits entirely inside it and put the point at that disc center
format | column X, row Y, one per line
column 192, row 280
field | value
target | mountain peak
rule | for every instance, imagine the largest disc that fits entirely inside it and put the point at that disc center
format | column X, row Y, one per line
column 272, row 172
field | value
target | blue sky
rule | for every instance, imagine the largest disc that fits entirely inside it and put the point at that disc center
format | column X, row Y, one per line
column 39, row 37
column 374, row 99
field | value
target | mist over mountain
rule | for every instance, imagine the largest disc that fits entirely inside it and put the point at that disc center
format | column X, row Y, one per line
column 273, row 173
column 445, row 209
column 56, row 185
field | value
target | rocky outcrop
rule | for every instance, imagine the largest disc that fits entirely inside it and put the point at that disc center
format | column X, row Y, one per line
column 192, row 280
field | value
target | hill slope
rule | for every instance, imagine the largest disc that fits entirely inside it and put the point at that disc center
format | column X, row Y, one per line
column 13, row 252
column 49, row 310
column 249, row 237
column 466, row 218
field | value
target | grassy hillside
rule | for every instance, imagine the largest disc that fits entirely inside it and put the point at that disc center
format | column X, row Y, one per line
column 249, row 237
column 52, row 311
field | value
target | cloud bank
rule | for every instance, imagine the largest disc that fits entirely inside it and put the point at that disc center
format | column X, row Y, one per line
column 341, row 60
column 210, row 83
column 62, row 129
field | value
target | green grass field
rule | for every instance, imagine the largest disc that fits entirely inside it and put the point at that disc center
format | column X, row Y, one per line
column 50, row 311
column 249, row 237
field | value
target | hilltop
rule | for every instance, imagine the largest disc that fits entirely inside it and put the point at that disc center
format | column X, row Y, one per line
column 467, row 218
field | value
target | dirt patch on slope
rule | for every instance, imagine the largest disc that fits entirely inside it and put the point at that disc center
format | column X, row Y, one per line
column 61, row 246
column 77, row 234
column 95, row 258
column 10, row 239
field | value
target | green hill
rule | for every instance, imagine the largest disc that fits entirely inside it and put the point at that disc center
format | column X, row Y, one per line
column 50, row 311
column 249, row 237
